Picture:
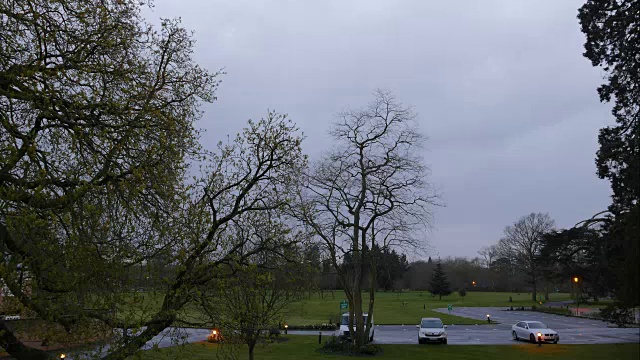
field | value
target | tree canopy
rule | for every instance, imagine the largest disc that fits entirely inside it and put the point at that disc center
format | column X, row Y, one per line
column 612, row 30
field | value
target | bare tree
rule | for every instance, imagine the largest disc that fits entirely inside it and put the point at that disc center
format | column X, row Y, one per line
column 489, row 254
column 522, row 243
column 374, row 172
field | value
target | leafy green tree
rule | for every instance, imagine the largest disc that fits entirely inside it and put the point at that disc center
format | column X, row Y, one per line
column 247, row 301
column 97, row 113
column 247, row 305
column 612, row 30
column 97, row 131
column 439, row 284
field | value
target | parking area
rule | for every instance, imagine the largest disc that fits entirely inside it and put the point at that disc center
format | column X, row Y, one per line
column 505, row 317
column 571, row 330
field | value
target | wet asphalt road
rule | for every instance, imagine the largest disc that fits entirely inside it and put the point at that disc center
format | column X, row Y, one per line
column 571, row 330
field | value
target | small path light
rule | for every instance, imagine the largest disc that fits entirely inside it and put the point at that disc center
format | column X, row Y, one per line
column 489, row 318
column 285, row 328
column 539, row 339
column 63, row 356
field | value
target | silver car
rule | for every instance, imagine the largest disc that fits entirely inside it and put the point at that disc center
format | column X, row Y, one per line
column 432, row 329
column 532, row 331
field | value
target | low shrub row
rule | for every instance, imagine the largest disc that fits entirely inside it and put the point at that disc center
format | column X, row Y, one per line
column 338, row 346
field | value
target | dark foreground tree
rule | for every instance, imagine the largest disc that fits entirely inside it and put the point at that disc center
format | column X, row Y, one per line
column 439, row 284
column 97, row 114
column 579, row 252
column 612, row 30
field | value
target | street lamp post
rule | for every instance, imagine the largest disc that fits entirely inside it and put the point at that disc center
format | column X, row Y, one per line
column 576, row 280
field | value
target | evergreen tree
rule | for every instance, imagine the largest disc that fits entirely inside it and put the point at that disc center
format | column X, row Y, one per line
column 612, row 31
column 439, row 284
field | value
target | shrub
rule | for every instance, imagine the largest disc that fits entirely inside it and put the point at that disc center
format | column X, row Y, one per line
column 370, row 349
column 337, row 345
column 617, row 314
column 333, row 344
column 462, row 292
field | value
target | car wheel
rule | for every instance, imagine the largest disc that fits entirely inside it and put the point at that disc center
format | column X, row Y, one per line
column 514, row 335
column 420, row 341
column 532, row 338
column 371, row 338
column 444, row 341
column 556, row 341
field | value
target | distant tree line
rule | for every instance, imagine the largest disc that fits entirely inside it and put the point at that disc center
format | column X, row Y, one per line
column 471, row 274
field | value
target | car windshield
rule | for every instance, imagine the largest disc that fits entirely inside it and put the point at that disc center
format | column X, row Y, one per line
column 345, row 319
column 537, row 325
column 431, row 324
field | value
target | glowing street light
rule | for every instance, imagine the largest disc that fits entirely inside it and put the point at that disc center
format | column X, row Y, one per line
column 63, row 356
column 577, row 280
column 473, row 283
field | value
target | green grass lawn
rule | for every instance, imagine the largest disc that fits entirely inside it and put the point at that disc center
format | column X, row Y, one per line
column 305, row 347
column 390, row 307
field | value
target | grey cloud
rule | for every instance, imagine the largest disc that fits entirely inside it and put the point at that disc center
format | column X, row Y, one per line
column 501, row 88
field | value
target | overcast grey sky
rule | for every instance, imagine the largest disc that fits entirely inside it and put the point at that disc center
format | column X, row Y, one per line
column 501, row 89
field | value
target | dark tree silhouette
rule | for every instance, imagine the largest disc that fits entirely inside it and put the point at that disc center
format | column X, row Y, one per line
column 439, row 283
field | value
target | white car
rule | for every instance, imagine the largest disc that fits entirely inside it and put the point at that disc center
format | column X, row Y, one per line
column 432, row 329
column 532, row 330
column 343, row 331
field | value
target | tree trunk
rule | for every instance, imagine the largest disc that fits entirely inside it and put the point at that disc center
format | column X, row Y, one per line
column 546, row 292
column 372, row 294
column 533, row 290
column 357, row 304
column 252, row 346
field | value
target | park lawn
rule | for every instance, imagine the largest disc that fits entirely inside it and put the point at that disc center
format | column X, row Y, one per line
column 306, row 347
column 406, row 307
column 391, row 308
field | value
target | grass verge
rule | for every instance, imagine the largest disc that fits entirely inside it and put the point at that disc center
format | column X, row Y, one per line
column 306, row 347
